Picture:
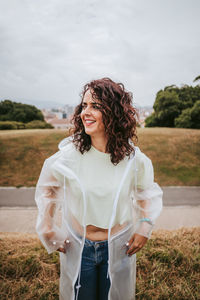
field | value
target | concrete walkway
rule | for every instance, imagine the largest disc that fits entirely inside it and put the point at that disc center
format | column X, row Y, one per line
column 18, row 211
column 172, row 196
column 17, row 219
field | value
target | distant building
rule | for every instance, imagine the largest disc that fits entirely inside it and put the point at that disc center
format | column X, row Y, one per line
column 48, row 115
column 59, row 115
column 60, row 123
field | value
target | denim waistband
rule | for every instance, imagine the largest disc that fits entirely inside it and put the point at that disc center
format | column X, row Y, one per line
column 93, row 243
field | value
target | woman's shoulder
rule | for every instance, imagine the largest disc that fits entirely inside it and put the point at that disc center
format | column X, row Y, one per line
column 145, row 172
column 141, row 156
column 143, row 162
column 66, row 150
column 66, row 143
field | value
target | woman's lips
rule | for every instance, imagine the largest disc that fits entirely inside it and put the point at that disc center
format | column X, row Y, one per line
column 89, row 122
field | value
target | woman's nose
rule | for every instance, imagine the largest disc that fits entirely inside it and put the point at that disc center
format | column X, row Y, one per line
column 87, row 110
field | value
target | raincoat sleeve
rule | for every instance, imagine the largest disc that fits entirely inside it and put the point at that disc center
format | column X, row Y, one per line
column 148, row 197
column 49, row 200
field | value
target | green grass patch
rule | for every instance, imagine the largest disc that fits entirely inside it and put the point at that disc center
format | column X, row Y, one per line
column 188, row 176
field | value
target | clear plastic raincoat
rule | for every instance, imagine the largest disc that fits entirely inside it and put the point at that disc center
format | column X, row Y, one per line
column 62, row 205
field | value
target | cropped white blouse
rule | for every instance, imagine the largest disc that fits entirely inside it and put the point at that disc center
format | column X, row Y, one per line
column 100, row 179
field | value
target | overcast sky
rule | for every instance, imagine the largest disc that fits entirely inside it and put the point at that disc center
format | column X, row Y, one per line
column 50, row 49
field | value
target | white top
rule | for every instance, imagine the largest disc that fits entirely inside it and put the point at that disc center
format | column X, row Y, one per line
column 100, row 179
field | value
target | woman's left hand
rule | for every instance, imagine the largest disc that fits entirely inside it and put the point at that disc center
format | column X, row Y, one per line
column 136, row 243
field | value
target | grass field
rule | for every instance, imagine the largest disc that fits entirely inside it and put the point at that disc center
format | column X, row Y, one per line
column 175, row 154
column 168, row 267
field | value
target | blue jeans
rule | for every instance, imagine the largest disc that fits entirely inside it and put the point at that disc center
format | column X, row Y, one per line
column 94, row 266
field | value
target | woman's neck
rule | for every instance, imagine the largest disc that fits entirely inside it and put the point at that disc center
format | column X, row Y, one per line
column 99, row 143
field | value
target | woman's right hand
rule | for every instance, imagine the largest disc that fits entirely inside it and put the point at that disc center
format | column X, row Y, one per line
column 60, row 249
column 63, row 248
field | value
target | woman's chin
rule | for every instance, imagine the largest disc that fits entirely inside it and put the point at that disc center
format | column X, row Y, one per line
column 89, row 131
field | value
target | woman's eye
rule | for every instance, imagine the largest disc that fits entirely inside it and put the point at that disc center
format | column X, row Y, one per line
column 93, row 106
column 96, row 106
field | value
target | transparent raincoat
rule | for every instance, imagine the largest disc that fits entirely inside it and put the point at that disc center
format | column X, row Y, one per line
column 62, row 205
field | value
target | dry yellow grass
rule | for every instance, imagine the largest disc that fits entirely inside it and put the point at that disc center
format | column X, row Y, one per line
column 175, row 154
column 168, row 267
column 23, row 153
column 21, row 132
column 26, row 270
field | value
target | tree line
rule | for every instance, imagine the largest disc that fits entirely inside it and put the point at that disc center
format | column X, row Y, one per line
column 15, row 115
column 14, row 111
column 176, row 107
column 173, row 107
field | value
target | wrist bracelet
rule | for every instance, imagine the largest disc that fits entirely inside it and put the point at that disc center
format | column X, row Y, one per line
column 146, row 220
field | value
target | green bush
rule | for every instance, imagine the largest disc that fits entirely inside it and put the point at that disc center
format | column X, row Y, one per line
column 151, row 121
column 195, row 115
column 184, row 119
column 190, row 117
column 49, row 125
column 5, row 125
column 38, row 124
column 176, row 107
column 15, row 111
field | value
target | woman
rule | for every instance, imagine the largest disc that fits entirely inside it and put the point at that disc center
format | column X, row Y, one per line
column 105, row 188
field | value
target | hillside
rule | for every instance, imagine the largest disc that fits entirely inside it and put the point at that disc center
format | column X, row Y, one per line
column 175, row 154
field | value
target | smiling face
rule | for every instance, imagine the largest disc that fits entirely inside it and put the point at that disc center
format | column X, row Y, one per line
column 91, row 116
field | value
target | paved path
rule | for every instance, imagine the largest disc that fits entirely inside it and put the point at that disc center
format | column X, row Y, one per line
column 17, row 219
column 18, row 211
column 172, row 196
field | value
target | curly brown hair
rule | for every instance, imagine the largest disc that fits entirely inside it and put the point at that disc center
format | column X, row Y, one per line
column 118, row 116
